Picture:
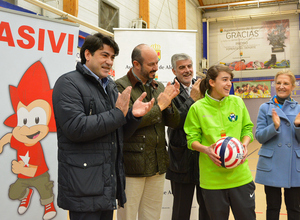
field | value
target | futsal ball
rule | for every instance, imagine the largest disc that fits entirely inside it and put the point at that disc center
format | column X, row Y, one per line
column 230, row 150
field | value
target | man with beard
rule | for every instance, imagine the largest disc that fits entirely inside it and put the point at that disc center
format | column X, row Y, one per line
column 183, row 171
column 145, row 155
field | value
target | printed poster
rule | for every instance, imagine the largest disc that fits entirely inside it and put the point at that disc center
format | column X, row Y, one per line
column 259, row 47
column 252, row 89
column 34, row 52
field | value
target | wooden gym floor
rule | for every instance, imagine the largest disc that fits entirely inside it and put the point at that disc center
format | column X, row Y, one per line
column 260, row 209
column 260, row 198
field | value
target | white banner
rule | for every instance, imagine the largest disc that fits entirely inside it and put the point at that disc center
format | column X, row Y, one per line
column 34, row 52
column 165, row 42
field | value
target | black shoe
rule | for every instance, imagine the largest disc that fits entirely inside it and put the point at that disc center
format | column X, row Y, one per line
column 272, row 61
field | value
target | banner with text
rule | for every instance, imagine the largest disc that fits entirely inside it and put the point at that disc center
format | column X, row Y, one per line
column 256, row 47
column 165, row 42
column 34, row 51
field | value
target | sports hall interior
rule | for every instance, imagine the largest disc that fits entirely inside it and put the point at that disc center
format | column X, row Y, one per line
column 226, row 33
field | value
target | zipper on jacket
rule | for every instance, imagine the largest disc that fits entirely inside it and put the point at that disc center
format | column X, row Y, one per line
column 91, row 107
column 220, row 115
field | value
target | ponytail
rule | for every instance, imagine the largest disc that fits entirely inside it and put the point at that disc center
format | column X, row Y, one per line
column 204, row 85
column 212, row 73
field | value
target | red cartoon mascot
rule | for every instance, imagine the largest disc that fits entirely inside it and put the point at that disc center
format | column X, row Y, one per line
column 32, row 121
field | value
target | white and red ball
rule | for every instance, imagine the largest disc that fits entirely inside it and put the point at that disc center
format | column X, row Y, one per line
column 230, row 150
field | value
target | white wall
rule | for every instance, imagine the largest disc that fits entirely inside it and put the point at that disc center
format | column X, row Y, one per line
column 29, row 6
column 55, row 3
column 194, row 22
column 129, row 10
column 163, row 15
column 88, row 11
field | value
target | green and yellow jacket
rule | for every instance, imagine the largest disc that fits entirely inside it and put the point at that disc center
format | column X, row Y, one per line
column 207, row 119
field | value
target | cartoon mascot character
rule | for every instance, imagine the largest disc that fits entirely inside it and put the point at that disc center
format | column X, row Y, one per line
column 32, row 121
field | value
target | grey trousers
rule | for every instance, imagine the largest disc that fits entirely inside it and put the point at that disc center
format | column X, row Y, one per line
column 241, row 200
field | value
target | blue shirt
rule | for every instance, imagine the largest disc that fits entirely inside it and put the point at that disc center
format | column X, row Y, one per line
column 103, row 82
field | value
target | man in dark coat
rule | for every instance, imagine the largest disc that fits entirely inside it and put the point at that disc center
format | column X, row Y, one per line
column 92, row 118
column 183, row 171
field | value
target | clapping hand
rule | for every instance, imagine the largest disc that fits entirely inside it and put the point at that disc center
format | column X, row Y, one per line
column 195, row 92
column 141, row 108
column 297, row 120
column 171, row 91
column 122, row 102
column 276, row 119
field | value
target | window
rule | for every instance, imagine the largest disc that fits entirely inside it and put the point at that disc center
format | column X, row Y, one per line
column 10, row 1
column 108, row 15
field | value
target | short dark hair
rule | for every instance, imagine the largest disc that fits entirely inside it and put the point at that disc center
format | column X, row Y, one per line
column 96, row 42
column 137, row 54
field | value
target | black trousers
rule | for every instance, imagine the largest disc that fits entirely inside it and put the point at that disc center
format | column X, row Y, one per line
column 183, row 194
column 274, row 199
column 240, row 199
column 100, row 215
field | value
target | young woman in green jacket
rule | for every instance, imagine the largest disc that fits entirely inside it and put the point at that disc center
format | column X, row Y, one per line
column 217, row 115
